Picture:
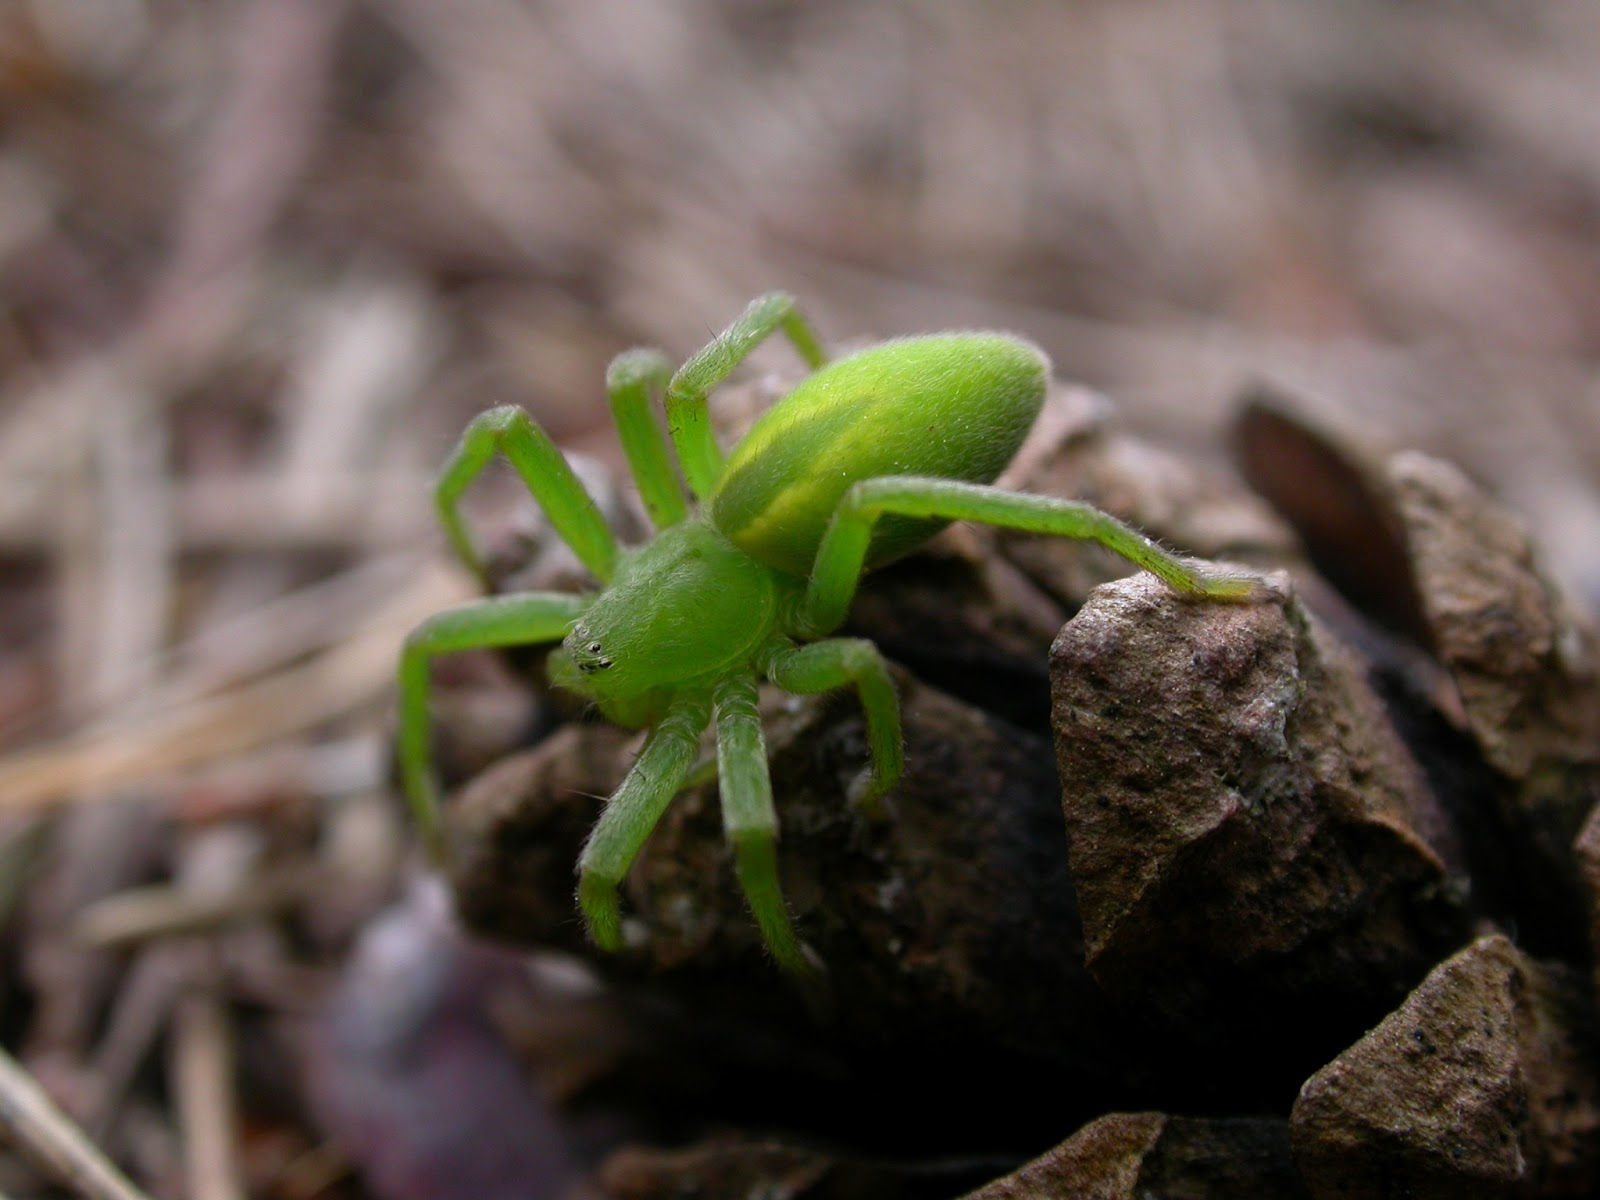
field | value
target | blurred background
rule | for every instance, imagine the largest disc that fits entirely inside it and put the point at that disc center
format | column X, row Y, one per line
column 260, row 260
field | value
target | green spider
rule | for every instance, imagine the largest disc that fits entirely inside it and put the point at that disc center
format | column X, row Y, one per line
column 867, row 457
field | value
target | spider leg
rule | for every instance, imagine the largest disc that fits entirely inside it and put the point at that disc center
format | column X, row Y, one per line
column 687, row 418
column 631, row 379
column 750, row 821
column 840, row 662
column 633, row 811
column 839, row 560
column 571, row 510
column 515, row 620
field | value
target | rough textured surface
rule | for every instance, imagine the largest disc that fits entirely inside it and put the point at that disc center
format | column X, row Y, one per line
column 516, row 831
column 1526, row 666
column 1586, row 851
column 1489, row 665
column 1253, row 848
column 1131, row 1156
column 1099, row 1162
column 730, row 1167
column 969, row 869
column 1524, row 660
column 1264, row 854
column 949, row 933
column 1477, row 1085
column 727, row 1168
column 1328, row 484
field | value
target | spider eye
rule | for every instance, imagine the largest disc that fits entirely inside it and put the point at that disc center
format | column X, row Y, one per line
column 594, row 647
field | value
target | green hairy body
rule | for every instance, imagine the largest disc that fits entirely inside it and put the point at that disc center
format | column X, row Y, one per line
column 865, row 459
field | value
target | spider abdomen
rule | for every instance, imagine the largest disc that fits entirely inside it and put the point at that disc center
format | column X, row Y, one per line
column 954, row 405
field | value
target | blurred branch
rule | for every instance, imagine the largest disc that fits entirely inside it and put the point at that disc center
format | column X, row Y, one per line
column 334, row 683
column 37, row 1124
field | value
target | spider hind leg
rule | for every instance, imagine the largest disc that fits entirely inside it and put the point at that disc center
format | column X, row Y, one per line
column 688, row 421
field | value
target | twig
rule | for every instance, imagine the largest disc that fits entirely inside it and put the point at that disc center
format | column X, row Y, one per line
column 374, row 342
column 46, row 1131
column 203, row 1071
column 139, row 1014
column 274, row 635
column 367, row 508
column 139, row 914
column 332, row 684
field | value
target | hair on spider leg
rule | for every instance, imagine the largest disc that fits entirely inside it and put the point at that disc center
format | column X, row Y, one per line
column 584, row 794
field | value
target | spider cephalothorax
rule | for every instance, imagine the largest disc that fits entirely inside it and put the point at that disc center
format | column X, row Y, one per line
column 868, row 456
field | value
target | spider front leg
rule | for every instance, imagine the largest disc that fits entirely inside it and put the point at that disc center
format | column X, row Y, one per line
column 844, row 662
column 522, row 619
column 633, row 812
column 844, row 546
column 687, row 418
column 748, row 818
column 571, row 510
